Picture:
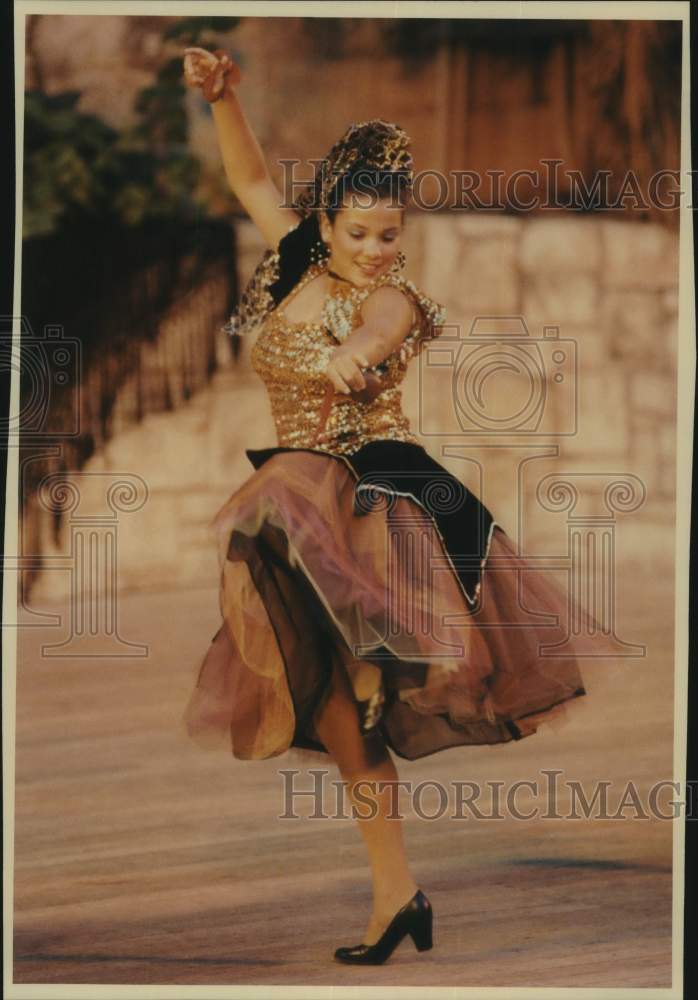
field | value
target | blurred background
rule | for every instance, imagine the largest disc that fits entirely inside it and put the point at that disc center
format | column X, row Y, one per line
column 135, row 246
column 138, row 860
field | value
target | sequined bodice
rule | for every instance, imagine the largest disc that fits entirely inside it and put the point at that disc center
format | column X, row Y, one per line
column 290, row 358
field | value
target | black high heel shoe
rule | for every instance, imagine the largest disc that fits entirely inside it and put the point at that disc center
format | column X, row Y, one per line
column 371, row 711
column 414, row 918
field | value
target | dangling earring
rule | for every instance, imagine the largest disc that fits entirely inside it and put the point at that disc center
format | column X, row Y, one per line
column 399, row 262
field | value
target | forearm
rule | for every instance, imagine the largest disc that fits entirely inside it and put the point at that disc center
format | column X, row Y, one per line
column 387, row 318
column 242, row 155
column 373, row 346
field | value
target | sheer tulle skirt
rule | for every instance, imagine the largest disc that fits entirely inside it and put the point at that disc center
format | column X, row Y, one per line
column 307, row 576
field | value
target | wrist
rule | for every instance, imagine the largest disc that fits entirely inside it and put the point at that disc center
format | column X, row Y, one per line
column 222, row 79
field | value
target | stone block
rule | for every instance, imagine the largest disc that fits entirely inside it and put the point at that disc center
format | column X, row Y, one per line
column 485, row 277
column 603, row 417
column 653, row 394
column 554, row 244
column 441, row 257
column 591, row 347
column 468, row 273
column 488, row 225
column 639, row 255
column 633, row 323
column 559, row 297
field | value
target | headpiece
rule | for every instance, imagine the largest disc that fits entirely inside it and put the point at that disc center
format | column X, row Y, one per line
column 374, row 145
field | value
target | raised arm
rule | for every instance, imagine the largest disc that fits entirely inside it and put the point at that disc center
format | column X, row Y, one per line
column 243, row 160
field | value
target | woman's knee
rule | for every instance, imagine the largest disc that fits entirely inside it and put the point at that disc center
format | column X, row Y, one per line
column 338, row 727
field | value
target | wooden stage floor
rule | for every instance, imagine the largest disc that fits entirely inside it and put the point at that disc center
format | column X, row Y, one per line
column 142, row 859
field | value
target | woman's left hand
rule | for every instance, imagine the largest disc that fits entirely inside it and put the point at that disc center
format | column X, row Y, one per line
column 211, row 71
column 198, row 63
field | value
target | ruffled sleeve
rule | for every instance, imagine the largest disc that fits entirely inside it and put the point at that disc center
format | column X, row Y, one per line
column 340, row 316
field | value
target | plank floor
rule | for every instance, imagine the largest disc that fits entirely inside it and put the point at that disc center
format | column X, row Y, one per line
column 142, row 859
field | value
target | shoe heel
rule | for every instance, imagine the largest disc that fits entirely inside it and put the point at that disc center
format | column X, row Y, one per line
column 422, row 935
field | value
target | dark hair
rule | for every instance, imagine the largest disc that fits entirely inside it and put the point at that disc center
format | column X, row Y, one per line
column 379, row 184
column 295, row 247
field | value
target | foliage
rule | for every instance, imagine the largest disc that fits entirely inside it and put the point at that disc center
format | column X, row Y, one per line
column 202, row 31
column 77, row 168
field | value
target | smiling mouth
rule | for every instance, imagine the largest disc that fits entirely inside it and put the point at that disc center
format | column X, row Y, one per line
column 369, row 268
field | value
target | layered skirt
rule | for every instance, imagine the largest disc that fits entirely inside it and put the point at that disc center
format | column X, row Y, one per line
column 382, row 558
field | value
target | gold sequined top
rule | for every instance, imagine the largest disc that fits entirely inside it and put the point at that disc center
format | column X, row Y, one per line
column 290, row 358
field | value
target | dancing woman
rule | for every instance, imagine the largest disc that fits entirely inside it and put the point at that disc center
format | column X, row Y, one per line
column 333, row 636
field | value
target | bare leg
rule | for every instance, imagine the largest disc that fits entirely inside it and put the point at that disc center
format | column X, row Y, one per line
column 367, row 758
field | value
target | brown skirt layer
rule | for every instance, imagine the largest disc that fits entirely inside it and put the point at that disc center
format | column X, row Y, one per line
column 304, row 579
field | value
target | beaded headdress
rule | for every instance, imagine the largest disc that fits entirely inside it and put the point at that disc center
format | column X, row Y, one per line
column 376, row 145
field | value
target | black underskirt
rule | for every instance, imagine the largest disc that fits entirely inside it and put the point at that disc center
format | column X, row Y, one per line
column 399, row 468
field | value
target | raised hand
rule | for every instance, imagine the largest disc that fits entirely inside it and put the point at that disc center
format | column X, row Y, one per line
column 211, row 71
column 198, row 63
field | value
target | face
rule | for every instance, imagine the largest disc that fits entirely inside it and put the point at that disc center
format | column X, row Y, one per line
column 364, row 237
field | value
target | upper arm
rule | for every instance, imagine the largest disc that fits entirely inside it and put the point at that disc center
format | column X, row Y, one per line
column 389, row 313
column 262, row 201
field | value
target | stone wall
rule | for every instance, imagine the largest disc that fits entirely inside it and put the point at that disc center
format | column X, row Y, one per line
column 607, row 429
column 609, row 424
